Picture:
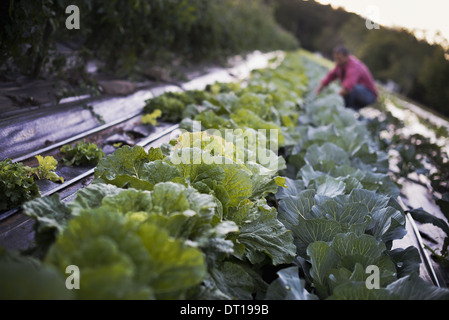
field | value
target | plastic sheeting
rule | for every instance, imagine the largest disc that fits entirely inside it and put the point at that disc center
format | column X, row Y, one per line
column 32, row 130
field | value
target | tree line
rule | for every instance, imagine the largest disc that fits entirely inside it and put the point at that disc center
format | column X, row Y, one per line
column 130, row 35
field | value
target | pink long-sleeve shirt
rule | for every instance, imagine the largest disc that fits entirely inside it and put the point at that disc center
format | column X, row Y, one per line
column 352, row 73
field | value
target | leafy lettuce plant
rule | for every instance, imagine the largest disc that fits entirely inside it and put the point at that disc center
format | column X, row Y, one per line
column 120, row 258
column 45, row 169
column 81, row 153
column 16, row 186
column 133, row 240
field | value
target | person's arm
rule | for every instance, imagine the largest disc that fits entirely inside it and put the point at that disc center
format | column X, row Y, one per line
column 331, row 76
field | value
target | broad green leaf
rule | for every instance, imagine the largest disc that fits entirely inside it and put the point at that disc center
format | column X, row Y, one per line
column 346, row 170
column 159, row 171
column 237, row 183
column 124, row 161
column 211, row 120
column 351, row 138
column 308, row 174
column 49, row 212
column 407, row 260
column 257, row 103
column 365, row 153
column 248, row 120
column 351, row 184
column 127, row 181
column 359, row 291
column 323, row 260
column 329, row 186
column 263, row 183
column 387, row 224
column 380, row 182
column 325, row 157
column 345, row 258
column 412, row 287
column 370, row 199
column 292, row 208
column 177, row 225
column 321, row 133
column 51, row 217
column 352, row 249
column 265, row 235
column 233, row 282
column 169, row 197
column 92, row 196
column 155, row 154
column 204, row 204
column 288, row 286
column 207, row 172
column 129, row 200
column 364, row 250
column 309, row 231
column 174, row 266
column 354, row 216
column 342, row 275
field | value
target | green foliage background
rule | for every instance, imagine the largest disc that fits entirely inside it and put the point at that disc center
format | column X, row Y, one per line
column 128, row 35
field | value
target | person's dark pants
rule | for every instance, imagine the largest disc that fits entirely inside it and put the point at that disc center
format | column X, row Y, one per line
column 359, row 97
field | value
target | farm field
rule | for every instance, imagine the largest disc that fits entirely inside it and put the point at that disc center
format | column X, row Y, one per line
column 266, row 192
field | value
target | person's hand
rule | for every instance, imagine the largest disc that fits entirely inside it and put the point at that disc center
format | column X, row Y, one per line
column 343, row 91
column 318, row 90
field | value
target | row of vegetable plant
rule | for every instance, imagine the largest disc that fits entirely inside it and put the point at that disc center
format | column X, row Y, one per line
column 269, row 193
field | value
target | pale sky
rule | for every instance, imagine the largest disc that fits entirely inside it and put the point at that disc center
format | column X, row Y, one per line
column 428, row 15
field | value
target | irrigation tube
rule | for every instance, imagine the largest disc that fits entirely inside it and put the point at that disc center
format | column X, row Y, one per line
column 422, row 249
column 71, row 139
column 155, row 137
column 427, row 260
